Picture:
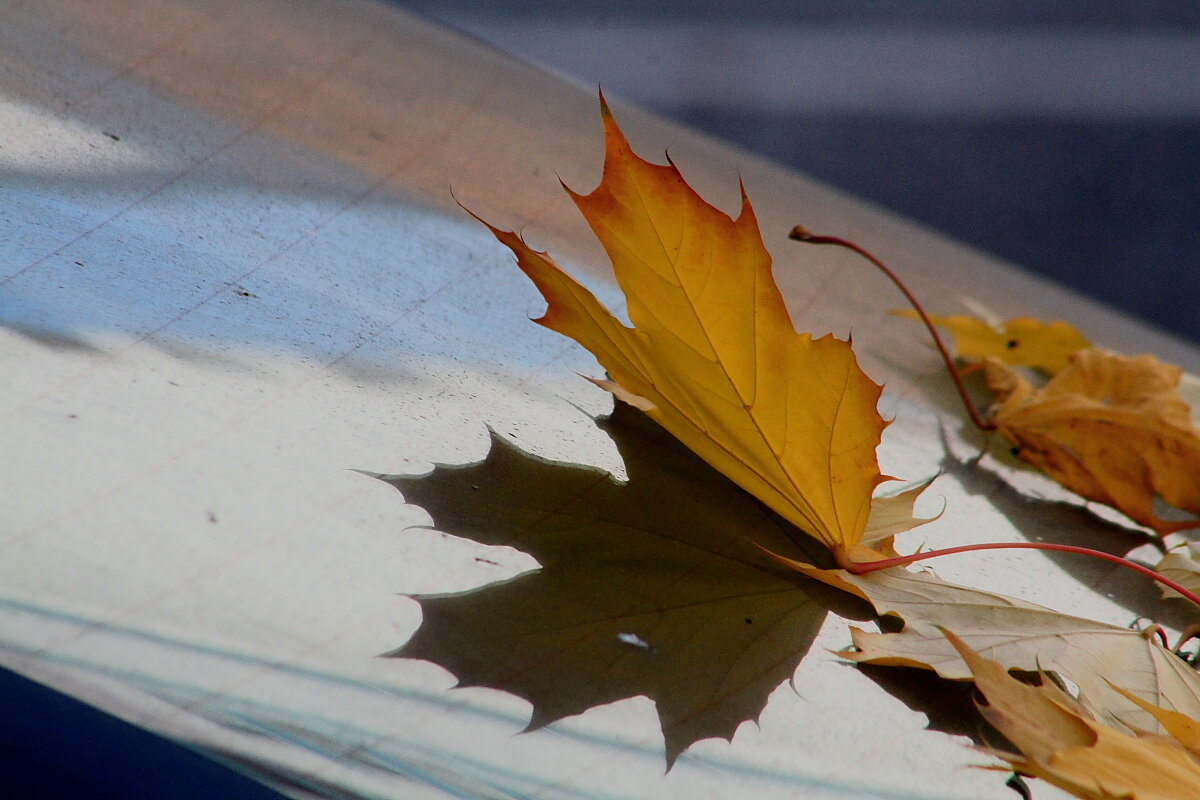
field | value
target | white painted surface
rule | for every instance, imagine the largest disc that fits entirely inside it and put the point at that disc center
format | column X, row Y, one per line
column 233, row 273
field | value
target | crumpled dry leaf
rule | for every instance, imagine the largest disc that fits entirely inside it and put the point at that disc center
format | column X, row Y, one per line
column 1060, row 743
column 1110, row 428
column 1023, row 341
column 1019, row 635
column 1189, row 390
column 1181, row 566
column 713, row 356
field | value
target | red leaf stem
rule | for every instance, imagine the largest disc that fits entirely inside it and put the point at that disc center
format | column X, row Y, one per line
column 862, row 567
column 802, row 234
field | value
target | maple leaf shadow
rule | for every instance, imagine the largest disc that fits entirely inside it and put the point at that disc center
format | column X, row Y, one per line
column 655, row 587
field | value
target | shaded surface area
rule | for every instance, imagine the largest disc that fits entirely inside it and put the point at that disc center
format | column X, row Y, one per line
column 656, row 587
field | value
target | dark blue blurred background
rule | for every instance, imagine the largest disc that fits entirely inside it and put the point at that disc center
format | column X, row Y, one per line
column 1062, row 136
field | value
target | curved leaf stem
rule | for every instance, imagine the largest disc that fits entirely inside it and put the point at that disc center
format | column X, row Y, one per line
column 802, row 234
column 863, row 567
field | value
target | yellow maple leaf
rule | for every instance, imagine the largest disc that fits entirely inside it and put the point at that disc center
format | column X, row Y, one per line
column 1110, row 428
column 1022, row 341
column 712, row 355
column 1062, row 744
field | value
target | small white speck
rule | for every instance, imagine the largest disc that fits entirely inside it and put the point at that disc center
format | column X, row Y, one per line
column 633, row 640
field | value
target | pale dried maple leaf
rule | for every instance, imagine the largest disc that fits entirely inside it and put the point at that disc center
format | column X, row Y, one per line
column 1064, row 745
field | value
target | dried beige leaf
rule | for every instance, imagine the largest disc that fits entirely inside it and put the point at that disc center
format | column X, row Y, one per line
column 1061, row 744
column 1019, row 635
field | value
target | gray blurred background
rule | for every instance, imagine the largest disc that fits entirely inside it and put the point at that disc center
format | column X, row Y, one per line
column 1064, row 136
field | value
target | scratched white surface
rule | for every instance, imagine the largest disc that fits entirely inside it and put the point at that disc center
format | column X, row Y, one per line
column 231, row 272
